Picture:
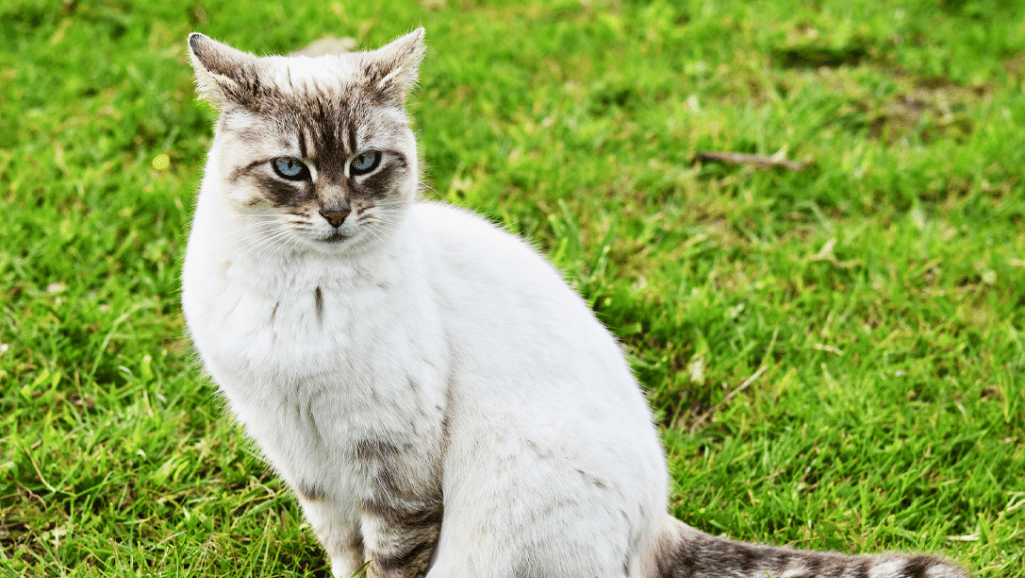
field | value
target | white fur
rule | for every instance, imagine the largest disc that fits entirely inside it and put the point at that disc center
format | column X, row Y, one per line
column 536, row 391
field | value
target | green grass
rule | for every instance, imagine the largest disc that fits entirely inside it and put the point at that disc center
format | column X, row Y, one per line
column 877, row 299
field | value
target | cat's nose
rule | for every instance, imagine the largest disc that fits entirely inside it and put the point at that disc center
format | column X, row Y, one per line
column 334, row 216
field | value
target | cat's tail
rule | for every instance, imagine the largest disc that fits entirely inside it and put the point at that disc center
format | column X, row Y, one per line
column 683, row 552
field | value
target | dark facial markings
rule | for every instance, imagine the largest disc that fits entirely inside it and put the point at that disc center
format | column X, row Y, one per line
column 353, row 145
column 324, row 124
column 282, row 193
column 302, row 144
column 384, row 180
column 375, row 186
column 241, row 172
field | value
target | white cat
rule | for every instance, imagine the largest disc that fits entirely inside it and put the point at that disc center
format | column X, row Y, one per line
column 441, row 401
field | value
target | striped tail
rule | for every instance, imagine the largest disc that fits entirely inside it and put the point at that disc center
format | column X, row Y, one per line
column 687, row 553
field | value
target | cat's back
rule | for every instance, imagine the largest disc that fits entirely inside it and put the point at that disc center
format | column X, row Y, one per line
column 474, row 250
column 483, row 272
column 512, row 317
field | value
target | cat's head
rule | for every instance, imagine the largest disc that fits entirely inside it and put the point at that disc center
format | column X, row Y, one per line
column 315, row 153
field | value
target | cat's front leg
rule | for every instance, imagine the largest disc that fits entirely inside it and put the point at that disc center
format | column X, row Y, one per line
column 400, row 539
column 346, row 556
column 338, row 533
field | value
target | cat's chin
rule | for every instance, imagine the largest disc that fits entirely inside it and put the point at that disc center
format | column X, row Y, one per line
column 333, row 244
column 338, row 244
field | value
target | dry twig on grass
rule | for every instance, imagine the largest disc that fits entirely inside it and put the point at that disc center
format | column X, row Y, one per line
column 759, row 161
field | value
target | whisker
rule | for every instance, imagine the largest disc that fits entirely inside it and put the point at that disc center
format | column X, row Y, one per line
column 262, row 243
column 259, row 239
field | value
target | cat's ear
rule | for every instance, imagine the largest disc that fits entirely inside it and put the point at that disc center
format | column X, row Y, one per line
column 224, row 75
column 397, row 66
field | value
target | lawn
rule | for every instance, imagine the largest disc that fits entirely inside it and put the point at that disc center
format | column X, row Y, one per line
column 831, row 331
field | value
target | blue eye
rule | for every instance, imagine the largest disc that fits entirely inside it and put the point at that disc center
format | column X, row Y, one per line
column 365, row 162
column 290, row 168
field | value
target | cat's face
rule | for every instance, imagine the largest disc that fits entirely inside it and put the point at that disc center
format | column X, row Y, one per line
column 316, row 153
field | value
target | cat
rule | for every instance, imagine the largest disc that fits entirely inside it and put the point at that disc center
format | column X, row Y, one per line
column 442, row 403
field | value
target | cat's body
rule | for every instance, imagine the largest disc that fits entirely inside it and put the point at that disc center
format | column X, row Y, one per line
column 441, row 402
column 402, row 395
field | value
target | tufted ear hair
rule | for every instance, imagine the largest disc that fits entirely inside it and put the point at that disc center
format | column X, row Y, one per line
column 396, row 65
column 225, row 76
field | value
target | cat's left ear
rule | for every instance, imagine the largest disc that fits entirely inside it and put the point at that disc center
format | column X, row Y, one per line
column 398, row 64
column 224, row 75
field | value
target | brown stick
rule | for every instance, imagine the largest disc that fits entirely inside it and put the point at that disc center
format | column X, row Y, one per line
column 760, row 161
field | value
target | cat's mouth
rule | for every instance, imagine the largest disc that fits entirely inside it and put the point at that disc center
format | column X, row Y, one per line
column 336, row 237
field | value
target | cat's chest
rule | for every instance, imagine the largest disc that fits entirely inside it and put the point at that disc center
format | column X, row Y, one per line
column 316, row 368
column 268, row 329
column 254, row 326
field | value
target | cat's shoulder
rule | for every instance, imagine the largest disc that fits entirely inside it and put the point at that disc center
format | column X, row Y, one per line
column 469, row 240
column 442, row 218
column 457, row 227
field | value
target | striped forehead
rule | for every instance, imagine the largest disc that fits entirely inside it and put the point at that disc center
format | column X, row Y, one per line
column 322, row 126
column 330, row 111
column 320, row 106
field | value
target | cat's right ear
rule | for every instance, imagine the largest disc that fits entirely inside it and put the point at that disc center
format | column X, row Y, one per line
column 225, row 76
column 397, row 65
